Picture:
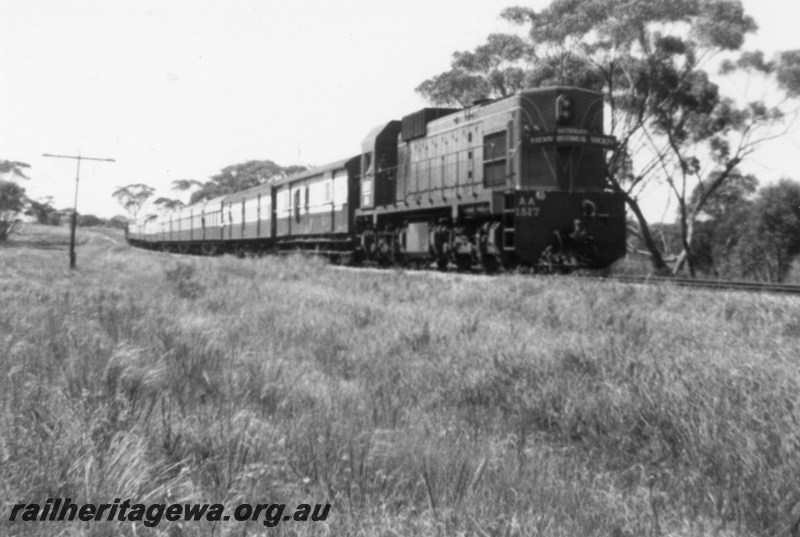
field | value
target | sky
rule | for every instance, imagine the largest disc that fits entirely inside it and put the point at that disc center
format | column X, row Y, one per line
column 179, row 89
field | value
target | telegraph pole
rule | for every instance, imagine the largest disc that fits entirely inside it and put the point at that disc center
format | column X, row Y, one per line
column 73, row 257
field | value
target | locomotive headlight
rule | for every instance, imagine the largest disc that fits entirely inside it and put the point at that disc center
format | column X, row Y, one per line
column 564, row 109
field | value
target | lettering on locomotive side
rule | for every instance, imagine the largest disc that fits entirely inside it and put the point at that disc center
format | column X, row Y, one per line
column 527, row 207
column 528, row 212
column 570, row 130
column 605, row 141
column 571, row 138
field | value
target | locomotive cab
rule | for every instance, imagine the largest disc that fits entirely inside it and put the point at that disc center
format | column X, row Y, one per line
column 562, row 145
column 563, row 212
column 379, row 166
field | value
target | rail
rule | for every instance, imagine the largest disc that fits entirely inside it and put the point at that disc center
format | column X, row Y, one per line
column 718, row 285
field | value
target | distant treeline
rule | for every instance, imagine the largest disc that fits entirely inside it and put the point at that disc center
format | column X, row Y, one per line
column 46, row 214
column 743, row 233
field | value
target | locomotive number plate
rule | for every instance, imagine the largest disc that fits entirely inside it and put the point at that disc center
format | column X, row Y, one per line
column 528, row 211
column 526, row 206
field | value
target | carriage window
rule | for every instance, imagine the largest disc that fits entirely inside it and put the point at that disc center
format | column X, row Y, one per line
column 367, row 167
column 494, row 159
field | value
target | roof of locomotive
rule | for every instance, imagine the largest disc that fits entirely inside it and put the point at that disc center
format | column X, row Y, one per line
column 555, row 89
column 478, row 112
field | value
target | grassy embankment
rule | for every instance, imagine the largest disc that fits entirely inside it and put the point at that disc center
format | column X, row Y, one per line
column 416, row 405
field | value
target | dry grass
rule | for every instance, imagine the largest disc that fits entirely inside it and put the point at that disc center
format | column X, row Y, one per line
column 416, row 405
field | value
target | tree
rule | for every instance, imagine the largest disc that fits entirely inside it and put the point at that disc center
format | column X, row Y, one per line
column 671, row 122
column 43, row 211
column 61, row 216
column 182, row 185
column 730, row 195
column 12, row 197
column 773, row 237
column 14, row 168
column 90, row 220
column 168, row 204
column 721, row 223
column 241, row 177
column 117, row 222
column 12, row 202
column 495, row 69
column 706, row 137
column 132, row 197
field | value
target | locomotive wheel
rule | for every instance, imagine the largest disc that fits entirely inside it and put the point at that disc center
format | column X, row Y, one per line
column 463, row 262
column 491, row 264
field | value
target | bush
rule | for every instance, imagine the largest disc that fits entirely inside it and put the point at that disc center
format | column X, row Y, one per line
column 181, row 277
column 12, row 202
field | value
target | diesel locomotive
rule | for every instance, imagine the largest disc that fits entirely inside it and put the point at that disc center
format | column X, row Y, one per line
column 515, row 181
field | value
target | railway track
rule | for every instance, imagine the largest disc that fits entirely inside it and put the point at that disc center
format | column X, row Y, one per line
column 719, row 285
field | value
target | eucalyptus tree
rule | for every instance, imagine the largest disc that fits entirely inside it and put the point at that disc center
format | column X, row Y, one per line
column 133, row 197
column 238, row 177
column 652, row 59
column 168, row 204
column 772, row 239
column 12, row 202
column 15, row 168
column 723, row 223
column 182, row 185
column 44, row 211
column 495, row 69
column 12, row 197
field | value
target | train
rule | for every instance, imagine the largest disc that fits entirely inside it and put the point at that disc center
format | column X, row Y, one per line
column 517, row 181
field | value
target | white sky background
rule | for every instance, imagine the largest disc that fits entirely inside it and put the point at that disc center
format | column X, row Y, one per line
column 180, row 89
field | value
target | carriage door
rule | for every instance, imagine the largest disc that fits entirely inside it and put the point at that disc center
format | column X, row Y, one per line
column 297, row 207
column 273, row 221
column 230, row 220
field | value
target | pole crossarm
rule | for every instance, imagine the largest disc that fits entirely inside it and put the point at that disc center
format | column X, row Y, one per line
column 73, row 257
column 79, row 157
